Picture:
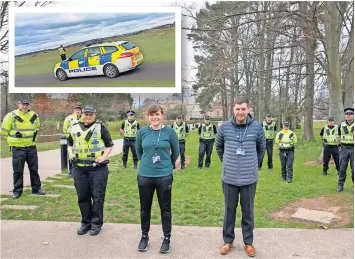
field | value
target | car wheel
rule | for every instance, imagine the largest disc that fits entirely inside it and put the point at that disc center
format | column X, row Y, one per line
column 111, row 71
column 61, row 74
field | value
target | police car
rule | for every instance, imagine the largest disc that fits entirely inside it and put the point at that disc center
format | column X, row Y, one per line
column 109, row 59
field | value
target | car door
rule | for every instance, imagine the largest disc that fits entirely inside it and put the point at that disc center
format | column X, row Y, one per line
column 94, row 63
column 76, row 63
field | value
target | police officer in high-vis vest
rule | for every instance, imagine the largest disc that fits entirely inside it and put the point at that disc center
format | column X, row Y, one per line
column 20, row 128
column 62, row 53
column 129, row 129
column 346, row 132
column 89, row 145
column 207, row 132
column 270, row 131
column 182, row 130
column 68, row 124
column 286, row 140
column 330, row 134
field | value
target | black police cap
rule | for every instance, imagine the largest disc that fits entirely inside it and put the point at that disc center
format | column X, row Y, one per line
column 130, row 112
column 207, row 117
column 24, row 102
column 349, row 110
column 89, row 109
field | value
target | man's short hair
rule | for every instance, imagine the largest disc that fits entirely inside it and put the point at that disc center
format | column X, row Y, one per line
column 241, row 100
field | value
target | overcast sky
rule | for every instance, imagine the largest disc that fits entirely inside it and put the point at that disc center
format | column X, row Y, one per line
column 69, row 28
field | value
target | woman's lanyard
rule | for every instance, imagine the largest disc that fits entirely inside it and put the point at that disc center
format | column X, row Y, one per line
column 155, row 144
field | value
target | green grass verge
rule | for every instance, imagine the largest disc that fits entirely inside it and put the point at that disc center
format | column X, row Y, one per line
column 156, row 45
column 197, row 194
column 117, row 83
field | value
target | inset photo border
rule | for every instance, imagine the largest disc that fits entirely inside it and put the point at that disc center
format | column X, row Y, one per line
column 95, row 49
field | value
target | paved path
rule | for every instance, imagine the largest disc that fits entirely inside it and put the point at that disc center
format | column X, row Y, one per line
column 148, row 71
column 21, row 239
column 48, row 164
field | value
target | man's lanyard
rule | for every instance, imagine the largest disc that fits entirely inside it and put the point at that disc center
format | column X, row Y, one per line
column 240, row 140
column 155, row 145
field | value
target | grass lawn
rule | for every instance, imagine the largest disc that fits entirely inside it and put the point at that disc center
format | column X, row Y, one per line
column 156, row 45
column 117, row 83
column 197, row 194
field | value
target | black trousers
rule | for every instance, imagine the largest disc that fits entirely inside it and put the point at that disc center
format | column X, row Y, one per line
column 346, row 155
column 20, row 155
column 182, row 152
column 163, row 186
column 63, row 56
column 269, row 150
column 286, row 158
column 206, row 146
column 232, row 194
column 129, row 144
column 328, row 151
column 90, row 184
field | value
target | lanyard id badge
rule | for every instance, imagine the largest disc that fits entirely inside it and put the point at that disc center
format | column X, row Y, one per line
column 155, row 158
column 241, row 150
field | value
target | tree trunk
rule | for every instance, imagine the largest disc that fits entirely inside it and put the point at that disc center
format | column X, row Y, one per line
column 332, row 38
column 348, row 79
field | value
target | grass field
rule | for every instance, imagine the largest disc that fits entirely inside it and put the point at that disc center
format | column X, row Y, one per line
column 157, row 46
column 197, row 194
column 118, row 83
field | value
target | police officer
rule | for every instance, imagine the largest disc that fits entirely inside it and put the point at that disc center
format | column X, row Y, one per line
column 20, row 128
column 269, row 130
column 68, row 124
column 207, row 132
column 286, row 139
column 330, row 134
column 129, row 129
column 89, row 145
column 182, row 130
column 62, row 52
column 346, row 132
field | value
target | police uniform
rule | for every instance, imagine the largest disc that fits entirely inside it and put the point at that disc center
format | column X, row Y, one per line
column 130, row 128
column 270, row 130
column 182, row 131
column 286, row 140
column 20, row 130
column 62, row 53
column 207, row 134
column 90, row 178
column 330, row 136
column 346, row 132
column 67, row 126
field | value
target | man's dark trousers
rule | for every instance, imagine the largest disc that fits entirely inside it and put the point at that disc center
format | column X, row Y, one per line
column 182, row 152
column 232, row 194
column 20, row 155
column 330, row 150
column 346, row 154
column 269, row 149
column 286, row 158
column 63, row 57
column 129, row 143
column 206, row 146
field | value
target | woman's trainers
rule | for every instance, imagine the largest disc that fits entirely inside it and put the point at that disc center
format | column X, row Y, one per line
column 165, row 247
column 143, row 244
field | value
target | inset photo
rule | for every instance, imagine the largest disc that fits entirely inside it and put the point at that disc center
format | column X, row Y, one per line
column 54, row 50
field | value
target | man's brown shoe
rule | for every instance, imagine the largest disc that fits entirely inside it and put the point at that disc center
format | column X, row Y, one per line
column 249, row 250
column 226, row 248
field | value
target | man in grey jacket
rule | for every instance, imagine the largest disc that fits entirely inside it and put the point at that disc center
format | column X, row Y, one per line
column 240, row 145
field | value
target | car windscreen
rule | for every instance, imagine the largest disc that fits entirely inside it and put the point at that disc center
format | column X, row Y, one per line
column 128, row 45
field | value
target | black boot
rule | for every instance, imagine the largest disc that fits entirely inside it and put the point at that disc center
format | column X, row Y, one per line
column 83, row 229
column 182, row 167
column 135, row 165
column 324, row 173
column 124, row 164
column 340, row 188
